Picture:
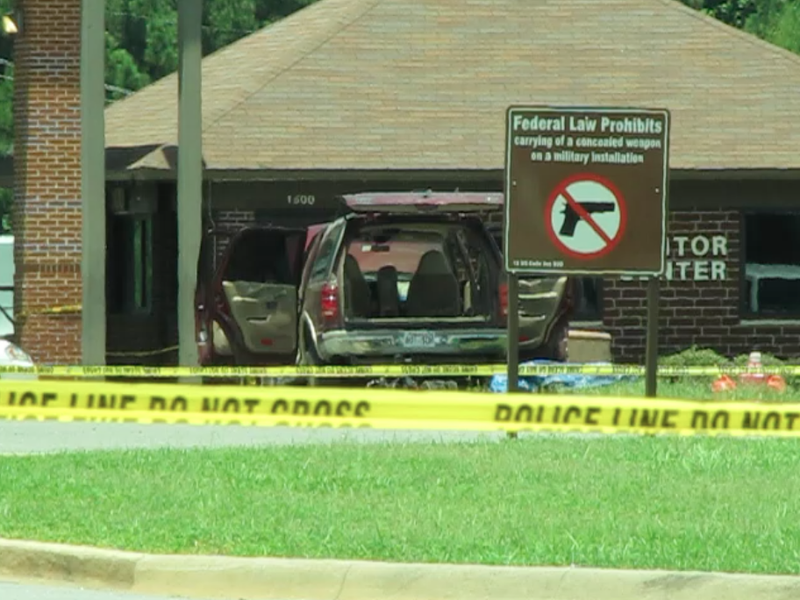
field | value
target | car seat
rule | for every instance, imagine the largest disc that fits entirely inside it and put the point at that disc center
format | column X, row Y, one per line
column 357, row 293
column 388, row 299
column 434, row 289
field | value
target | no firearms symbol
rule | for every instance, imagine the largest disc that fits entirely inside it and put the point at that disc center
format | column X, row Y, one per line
column 585, row 216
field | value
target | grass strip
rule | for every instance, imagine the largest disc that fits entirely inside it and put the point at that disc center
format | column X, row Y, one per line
column 625, row 502
column 689, row 389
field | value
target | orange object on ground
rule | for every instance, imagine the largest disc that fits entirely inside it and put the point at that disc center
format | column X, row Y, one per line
column 776, row 382
column 723, row 384
column 755, row 377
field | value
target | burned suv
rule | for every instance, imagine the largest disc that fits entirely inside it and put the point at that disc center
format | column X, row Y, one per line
column 406, row 277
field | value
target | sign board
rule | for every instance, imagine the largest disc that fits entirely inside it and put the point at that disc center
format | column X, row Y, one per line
column 586, row 190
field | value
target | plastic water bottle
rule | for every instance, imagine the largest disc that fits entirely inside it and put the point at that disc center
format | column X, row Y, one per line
column 755, row 373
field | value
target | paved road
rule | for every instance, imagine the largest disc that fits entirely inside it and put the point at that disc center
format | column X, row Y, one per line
column 23, row 437
column 13, row 591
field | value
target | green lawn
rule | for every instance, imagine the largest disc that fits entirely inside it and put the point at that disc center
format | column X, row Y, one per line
column 614, row 501
column 692, row 389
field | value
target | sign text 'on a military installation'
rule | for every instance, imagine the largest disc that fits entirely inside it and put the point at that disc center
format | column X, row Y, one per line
column 586, row 190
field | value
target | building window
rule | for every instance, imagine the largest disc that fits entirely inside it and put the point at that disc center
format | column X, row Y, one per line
column 129, row 266
column 588, row 299
column 771, row 265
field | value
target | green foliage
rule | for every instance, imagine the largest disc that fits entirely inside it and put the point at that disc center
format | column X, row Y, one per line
column 694, row 357
column 705, row 357
column 732, row 12
column 225, row 22
column 777, row 21
column 767, row 359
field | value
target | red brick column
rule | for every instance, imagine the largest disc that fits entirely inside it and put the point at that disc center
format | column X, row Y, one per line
column 47, row 179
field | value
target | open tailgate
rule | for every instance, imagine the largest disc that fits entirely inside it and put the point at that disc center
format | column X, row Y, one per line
column 424, row 202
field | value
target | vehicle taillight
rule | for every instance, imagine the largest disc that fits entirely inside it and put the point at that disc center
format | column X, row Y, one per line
column 330, row 302
column 503, row 300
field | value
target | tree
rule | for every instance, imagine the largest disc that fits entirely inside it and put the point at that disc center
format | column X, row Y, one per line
column 778, row 22
column 732, row 12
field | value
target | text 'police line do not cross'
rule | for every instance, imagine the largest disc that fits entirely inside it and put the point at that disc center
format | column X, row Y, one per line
column 586, row 190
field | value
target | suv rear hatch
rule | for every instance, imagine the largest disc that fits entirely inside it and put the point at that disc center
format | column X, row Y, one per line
column 421, row 261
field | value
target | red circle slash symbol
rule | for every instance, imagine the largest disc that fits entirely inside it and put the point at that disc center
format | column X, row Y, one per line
column 585, row 216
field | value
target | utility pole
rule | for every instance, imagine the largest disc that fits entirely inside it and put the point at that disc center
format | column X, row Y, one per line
column 93, row 183
column 190, row 172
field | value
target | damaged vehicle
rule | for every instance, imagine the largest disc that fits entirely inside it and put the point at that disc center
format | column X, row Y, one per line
column 546, row 304
column 399, row 278
column 407, row 277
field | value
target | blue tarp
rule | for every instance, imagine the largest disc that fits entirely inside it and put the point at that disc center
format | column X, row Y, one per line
column 533, row 383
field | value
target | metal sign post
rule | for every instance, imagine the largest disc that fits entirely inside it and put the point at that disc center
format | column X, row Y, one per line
column 93, row 183
column 190, row 173
column 513, row 333
column 586, row 194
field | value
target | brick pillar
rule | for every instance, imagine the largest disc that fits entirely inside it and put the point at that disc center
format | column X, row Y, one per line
column 47, row 180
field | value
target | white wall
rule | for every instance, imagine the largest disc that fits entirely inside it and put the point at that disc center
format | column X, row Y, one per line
column 6, row 279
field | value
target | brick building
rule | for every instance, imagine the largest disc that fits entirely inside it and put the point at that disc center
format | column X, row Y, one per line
column 369, row 95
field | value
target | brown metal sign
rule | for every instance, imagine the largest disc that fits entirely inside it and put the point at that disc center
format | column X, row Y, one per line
column 586, row 190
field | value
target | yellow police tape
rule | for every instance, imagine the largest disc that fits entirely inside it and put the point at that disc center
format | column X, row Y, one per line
column 397, row 370
column 388, row 409
column 69, row 309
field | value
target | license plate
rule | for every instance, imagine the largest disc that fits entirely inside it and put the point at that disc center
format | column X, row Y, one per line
column 419, row 339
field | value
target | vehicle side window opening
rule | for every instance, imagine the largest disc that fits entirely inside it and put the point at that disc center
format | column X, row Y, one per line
column 475, row 274
column 264, row 257
column 326, row 252
column 389, row 264
column 309, row 258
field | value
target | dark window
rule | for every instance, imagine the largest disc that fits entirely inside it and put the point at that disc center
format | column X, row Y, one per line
column 129, row 265
column 261, row 256
column 771, row 264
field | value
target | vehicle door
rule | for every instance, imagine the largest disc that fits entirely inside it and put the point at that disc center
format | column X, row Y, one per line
column 251, row 299
column 204, row 306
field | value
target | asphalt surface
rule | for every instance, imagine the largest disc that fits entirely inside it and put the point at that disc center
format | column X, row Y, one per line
column 33, row 437
column 15, row 591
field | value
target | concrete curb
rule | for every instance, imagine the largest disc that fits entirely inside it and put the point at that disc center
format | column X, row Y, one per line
column 290, row 579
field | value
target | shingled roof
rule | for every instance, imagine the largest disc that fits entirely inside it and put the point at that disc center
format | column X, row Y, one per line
column 424, row 84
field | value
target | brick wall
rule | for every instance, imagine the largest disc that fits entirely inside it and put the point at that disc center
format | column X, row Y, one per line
column 47, row 179
column 230, row 220
column 700, row 296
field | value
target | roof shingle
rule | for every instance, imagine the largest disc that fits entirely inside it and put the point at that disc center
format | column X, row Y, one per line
column 424, row 84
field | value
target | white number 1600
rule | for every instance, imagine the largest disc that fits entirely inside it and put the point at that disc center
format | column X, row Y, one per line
column 301, row 199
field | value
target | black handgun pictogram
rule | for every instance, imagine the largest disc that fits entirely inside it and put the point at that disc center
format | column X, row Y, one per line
column 571, row 217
